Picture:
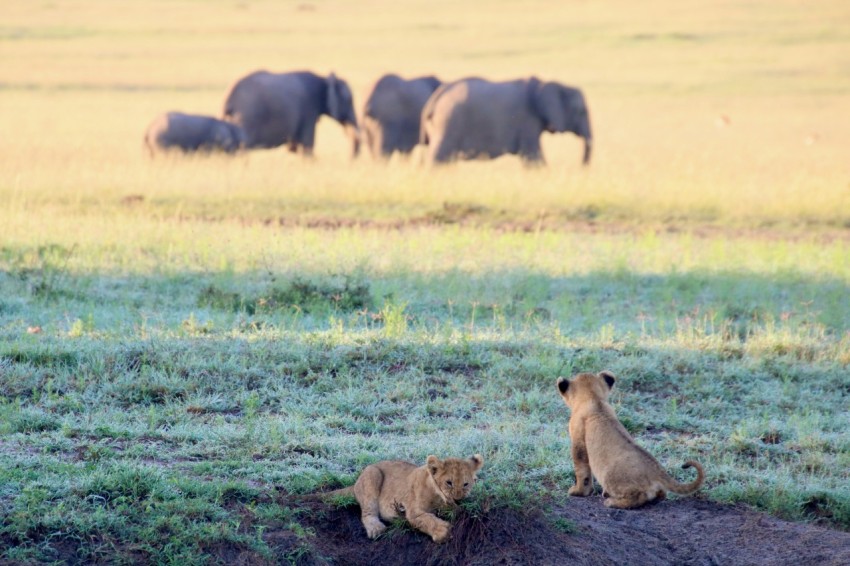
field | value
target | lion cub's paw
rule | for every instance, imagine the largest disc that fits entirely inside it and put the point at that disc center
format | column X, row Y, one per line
column 374, row 527
column 441, row 531
column 580, row 491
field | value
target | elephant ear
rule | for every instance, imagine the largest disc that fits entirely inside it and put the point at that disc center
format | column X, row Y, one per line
column 551, row 107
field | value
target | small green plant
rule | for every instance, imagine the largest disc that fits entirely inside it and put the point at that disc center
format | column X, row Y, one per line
column 565, row 525
column 395, row 319
column 212, row 296
column 33, row 421
column 193, row 327
column 342, row 501
column 82, row 327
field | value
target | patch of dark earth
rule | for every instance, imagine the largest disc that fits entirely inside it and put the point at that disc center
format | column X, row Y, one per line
column 820, row 233
column 581, row 531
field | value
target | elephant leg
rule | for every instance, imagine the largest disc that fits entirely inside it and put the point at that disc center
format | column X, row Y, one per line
column 533, row 160
column 383, row 146
column 394, row 140
column 387, row 148
column 442, row 151
column 307, row 139
column 374, row 136
column 370, row 138
column 531, row 153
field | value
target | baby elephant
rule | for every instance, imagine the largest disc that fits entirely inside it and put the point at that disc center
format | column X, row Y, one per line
column 191, row 132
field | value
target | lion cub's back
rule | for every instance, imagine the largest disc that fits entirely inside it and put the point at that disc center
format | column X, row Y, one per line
column 397, row 475
column 395, row 467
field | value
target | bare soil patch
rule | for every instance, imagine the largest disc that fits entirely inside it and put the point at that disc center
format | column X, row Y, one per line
column 686, row 531
column 506, row 223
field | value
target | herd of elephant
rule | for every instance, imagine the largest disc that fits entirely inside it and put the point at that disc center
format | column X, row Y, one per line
column 471, row 118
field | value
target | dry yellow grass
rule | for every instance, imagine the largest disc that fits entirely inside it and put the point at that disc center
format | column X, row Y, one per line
column 728, row 113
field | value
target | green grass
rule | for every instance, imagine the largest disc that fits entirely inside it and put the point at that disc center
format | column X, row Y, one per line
column 151, row 409
column 182, row 338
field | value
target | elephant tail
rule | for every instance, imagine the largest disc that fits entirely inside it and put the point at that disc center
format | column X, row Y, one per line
column 428, row 113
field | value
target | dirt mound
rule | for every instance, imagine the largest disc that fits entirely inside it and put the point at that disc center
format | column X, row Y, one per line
column 582, row 531
column 496, row 537
column 693, row 531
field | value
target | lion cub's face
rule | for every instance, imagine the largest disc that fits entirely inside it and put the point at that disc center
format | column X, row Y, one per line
column 454, row 476
column 586, row 386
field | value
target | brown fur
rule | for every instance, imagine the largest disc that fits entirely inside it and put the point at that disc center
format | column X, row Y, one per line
column 601, row 446
column 393, row 488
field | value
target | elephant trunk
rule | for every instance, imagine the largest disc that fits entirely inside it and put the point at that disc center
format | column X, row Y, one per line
column 354, row 134
column 588, row 146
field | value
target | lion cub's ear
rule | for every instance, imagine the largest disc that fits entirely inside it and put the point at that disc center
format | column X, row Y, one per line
column 477, row 462
column 563, row 385
column 434, row 464
column 608, row 377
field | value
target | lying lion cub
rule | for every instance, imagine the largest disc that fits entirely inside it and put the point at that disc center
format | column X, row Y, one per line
column 601, row 446
column 386, row 490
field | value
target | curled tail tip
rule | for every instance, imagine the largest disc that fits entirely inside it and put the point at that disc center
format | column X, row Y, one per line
column 697, row 483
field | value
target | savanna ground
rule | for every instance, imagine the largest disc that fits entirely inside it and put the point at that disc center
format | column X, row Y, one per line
column 187, row 342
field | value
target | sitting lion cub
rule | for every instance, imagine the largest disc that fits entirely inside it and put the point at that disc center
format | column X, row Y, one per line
column 601, row 446
column 386, row 490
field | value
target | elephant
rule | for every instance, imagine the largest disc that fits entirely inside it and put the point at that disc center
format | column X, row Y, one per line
column 278, row 109
column 191, row 132
column 392, row 114
column 474, row 118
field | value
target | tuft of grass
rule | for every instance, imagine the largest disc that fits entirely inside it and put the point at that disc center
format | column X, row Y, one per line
column 564, row 525
column 342, row 501
column 347, row 293
column 117, row 484
column 32, row 421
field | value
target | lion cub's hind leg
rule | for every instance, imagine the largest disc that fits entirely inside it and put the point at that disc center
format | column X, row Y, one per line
column 634, row 499
column 629, row 500
column 367, row 490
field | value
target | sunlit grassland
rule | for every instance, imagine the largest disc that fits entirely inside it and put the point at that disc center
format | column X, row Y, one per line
column 176, row 343
column 81, row 84
column 183, row 372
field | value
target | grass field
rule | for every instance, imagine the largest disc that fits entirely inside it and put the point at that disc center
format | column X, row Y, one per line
column 182, row 338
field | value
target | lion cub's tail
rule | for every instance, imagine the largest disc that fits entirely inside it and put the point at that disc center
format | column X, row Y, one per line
column 321, row 496
column 686, row 488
